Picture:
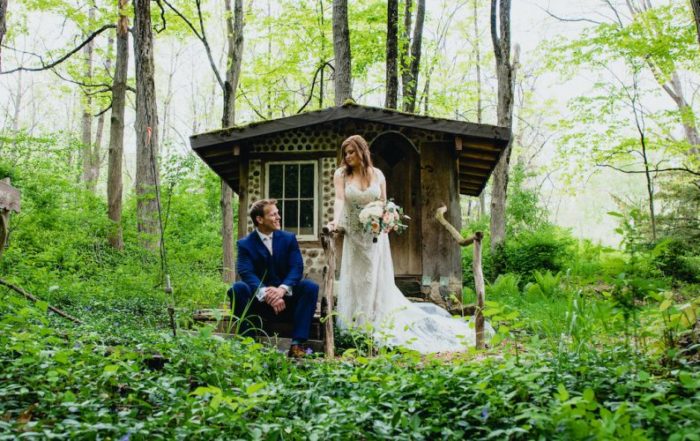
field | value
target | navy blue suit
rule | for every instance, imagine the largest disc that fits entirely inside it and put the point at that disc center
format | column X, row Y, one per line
column 258, row 269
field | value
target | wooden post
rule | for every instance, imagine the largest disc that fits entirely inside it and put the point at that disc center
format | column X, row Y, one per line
column 479, row 286
column 476, row 268
column 328, row 241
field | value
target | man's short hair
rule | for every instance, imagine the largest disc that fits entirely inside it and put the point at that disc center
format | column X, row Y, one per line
column 258, row 209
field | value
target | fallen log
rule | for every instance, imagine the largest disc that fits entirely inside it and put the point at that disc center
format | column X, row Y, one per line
column 35, row 299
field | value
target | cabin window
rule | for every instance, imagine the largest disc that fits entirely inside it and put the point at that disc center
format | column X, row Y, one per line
column 294, row 186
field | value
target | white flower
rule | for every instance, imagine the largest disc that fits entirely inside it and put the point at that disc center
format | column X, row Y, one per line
column 374, row 209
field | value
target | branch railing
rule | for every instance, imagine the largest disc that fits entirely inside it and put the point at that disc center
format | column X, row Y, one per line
column 476, row 268
column 328, row 239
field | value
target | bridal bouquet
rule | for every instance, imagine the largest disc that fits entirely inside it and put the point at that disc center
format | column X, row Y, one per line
column 379, row 216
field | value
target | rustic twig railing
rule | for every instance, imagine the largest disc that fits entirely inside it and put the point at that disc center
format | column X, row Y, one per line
column 476, row 268
column 328, row 238
column 9, row 201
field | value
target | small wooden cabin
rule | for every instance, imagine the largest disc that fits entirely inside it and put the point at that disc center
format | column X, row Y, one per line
column 427, row 162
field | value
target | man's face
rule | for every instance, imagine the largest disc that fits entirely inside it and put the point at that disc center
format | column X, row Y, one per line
column 270, row 221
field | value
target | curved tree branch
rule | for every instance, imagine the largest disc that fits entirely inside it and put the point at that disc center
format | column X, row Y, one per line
column 63, row 58
column 656, row 170
column 200, row 36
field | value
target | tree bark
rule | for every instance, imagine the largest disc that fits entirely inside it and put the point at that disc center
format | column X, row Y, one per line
column 505, row 72
column 116, row 132
column 675, row 91
column 341, row 50
column 146, row 180
column 405, row 54
column 696, row 13
column 3, row 23
column 392, row 50
column 410, row 80
column 477, row 54
column 86, row 127
column 234, row 28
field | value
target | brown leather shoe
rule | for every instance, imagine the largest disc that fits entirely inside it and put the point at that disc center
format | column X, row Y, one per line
column 296, row 351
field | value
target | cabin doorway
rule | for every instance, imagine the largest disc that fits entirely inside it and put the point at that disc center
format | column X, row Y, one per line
column 398, row 159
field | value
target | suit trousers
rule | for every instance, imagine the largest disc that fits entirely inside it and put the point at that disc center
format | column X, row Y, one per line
column 299, row 309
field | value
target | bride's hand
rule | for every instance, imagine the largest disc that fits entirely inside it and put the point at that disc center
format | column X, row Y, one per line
column 332, row 226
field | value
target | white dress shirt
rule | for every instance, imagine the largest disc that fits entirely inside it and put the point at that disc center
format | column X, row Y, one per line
column 267, row 241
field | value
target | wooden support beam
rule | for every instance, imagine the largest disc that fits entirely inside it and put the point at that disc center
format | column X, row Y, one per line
column 468, row 154
column 480, row 175
column 458, row 143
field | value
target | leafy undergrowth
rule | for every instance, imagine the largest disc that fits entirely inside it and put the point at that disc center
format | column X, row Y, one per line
column 68, row 383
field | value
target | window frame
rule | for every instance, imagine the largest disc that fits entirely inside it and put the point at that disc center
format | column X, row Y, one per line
column 301, row 237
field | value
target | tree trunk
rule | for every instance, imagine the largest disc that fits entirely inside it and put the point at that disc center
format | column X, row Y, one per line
column 341, row 49
column 86, row 127
column 505, row 72
column 650, row 188
column 234, row 27
column 675, row 91
column 392, row 49
column 116, row 132
column 410, row 80
column 3, row 25
column 477, row 54
column 696, row 13
column 146, row 180
column 479, row 106
column 405, row 45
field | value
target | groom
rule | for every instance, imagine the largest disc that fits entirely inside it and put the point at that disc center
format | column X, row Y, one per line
column 270, row 266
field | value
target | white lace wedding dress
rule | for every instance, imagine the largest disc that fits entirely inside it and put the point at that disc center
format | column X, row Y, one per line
column 368, row 297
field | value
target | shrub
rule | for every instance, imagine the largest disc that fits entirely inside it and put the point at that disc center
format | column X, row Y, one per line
column 677, row 258
column 544, row 249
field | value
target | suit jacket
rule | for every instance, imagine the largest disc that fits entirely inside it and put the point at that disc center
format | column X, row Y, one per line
column 257, row 268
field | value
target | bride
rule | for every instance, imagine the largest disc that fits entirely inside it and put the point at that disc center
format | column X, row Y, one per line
column 368, row 296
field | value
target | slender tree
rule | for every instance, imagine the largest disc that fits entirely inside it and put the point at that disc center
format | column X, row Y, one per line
column 341, row 49
column 695, row 4
column 229, row 85
column 411, row 65
column 505, row 72
column 116, row 132
column 86, row 126
column 479, row 107
column 146, row 180
column 3, row 25
column 392, row 49
column 234, row 40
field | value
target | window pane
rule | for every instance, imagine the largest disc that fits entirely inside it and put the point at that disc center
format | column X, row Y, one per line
column 306, row 217
column 307, row 181
column 291, row 211
column 275, row 190
column 291, row 181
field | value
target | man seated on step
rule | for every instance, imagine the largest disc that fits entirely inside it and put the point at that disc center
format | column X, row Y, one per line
column 271, row 268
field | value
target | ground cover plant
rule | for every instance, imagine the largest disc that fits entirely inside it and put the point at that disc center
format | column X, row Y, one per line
column 574, row 357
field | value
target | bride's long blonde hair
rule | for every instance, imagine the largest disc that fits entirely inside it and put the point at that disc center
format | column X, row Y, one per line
column 362, row 149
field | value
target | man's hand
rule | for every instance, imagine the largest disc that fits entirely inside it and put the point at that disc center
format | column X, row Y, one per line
column 278, row 305
column 275, row 298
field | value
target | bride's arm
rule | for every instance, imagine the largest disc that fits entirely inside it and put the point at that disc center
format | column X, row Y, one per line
column 339, row 184
column 382, row 184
